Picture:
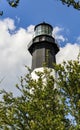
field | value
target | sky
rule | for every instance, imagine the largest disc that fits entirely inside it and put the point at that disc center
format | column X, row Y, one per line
column 17, row 29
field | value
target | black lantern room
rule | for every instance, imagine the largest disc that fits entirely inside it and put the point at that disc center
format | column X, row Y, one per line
column 43, row 47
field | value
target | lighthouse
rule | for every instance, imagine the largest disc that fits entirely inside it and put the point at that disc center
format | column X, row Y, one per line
column 43, row 47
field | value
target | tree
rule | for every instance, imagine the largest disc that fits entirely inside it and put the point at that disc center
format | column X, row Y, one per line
column 46, row 103
column 12, row 3
column 69, row 80
column 74, row 3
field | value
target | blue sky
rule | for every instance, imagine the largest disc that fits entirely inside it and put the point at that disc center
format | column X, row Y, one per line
column 51, row 11
column 16, row 31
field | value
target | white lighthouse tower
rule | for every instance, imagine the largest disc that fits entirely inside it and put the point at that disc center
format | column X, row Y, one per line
column 43, row 47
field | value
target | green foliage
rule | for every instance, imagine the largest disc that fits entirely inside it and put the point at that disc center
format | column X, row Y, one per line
column 69, row 80
column 12, row 3
column 74, row 3
column 46, row 103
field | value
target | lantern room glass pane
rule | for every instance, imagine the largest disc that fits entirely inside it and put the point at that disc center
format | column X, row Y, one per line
column 43, row 30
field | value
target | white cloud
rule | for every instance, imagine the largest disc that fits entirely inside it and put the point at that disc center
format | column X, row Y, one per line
column 69, row 52
column 57, row 30
column 57, row 34
column 7, row 24
column 78, row 40
column 30, row 29
column 17, row 18
column 14, row 53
